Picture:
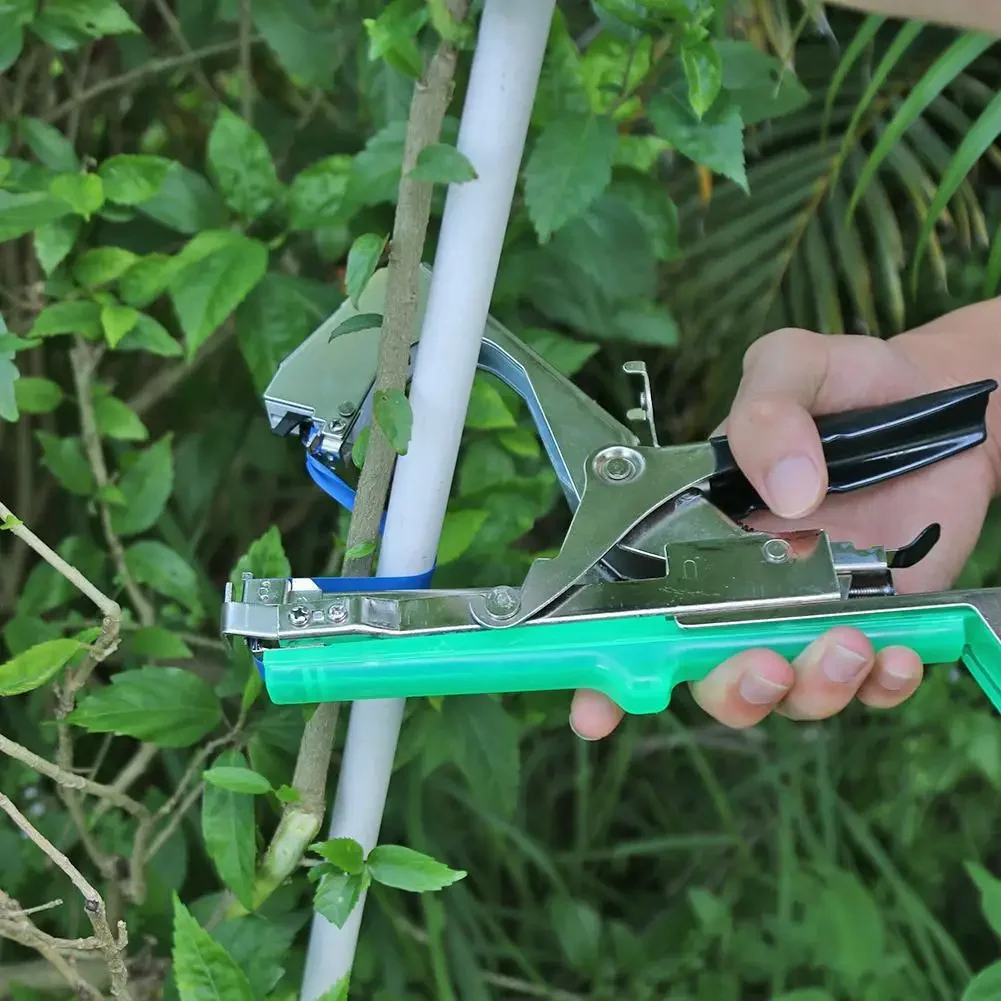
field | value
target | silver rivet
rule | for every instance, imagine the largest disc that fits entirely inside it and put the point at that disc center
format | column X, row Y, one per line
column 502, row 602
column 338, row 610
column 246, row 575
column 618, row 465
column 346, row 408
column 777, row 551
column 299, row 616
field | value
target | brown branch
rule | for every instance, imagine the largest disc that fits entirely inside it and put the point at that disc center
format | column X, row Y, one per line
column 300, row 822
column 93, row 904
column 84, row 361
column 133, row 770
column 71, row 780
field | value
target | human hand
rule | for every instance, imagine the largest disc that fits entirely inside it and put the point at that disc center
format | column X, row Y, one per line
column 788, row 376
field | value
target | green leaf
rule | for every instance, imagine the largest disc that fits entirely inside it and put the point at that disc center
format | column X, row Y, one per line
column 578, row 928
column 990, row 894
column 23, row 212
column 37, row 395
column 149, row 335
column 345, row 853
column 146, row 485
column 157, row 643
column 288, row 794
column 439, row 163
column 102, row 265
column 317, row 195
column 376, row 170
column 83, row 193
column 360, row 447
column 406, row 869
column 992, row 274
column 359, row 551
column 337, row 895
column 339, row 992
column 363, row 259
column 37, row 665
column 301, row 42
column 203, row 969
column 261, row 947
column 50, row 146
column 218, row 270
column 704, row 73
column 166, row 706
column 93, row 18
column 483, row 742
column 569, row 168
column 9, row 375
column 147, row 279
column 240, row 163
column 117, row 320
column 185, row 202
column 487, row 410
column 73, row 317
column 64, row 458
column 392, row 414
column 392, row 37
column 158, row 567
column 11, row 44
column 986, row 985
column 265, row 558
column 761, row 87
column 54, row 240
column 131, row 179
column 360, row 321
column 457, row 533
column 975, row 143
column 236, row 778
column 117, row 420
column 715, row 142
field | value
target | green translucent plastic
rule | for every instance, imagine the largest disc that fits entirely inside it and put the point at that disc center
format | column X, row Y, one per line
column 637, row 662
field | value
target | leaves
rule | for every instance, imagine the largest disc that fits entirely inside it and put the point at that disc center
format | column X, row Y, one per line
column 300, row 41
column 317, row 195
column 337, row 895
column 37, row 395
column 217, row 271
column 131, row 179
column 102, row 265
column 406, row 869
column 439, row 163
column 228, row 828
column 716, row 141
column 115, row 419
column 570, row 166
column 37, row 665
column 23, row 212
column 392, row 414
column 236, row 778
column 704, row 73
column 83, row 193
column 203, row 969
column 155, row 565
column 345, row 853
column 70, row 317
column 360, row 321
column 116, row 321
column 146, row 484
column 64, row 458
column 241, row 165
column 185, row 202
column 363, row 259
column 49, row 145
column 989, row 887
column 54, row 240
column 94, row 18
column 458, row 531
column 166, row 706
column 264, row 558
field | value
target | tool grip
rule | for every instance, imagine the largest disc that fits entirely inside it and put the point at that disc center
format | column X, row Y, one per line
column 636, row 662
column 865, row 447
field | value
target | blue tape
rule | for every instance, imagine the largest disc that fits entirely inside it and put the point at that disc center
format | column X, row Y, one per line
column 333, row 486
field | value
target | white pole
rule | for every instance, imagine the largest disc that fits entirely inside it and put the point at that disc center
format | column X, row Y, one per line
column 503, row 81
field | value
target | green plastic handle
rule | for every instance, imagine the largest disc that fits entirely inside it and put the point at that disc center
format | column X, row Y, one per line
column 636, row 662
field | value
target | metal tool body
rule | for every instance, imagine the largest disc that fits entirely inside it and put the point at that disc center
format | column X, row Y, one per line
column 656, row 581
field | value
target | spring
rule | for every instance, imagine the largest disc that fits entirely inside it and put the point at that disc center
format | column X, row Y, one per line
column 876, row 591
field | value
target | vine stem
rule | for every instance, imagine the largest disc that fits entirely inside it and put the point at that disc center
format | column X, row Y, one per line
column 300, row 821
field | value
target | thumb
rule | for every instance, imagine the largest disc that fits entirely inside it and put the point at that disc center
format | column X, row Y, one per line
column 771, row 433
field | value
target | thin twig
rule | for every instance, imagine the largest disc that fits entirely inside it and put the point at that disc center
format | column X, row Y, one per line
column 134, row 769
column 93, row 903
column 71, row 780
column 174, row 26
column 84, row 360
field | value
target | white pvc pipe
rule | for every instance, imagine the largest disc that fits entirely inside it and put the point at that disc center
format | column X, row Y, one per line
column 503, row 81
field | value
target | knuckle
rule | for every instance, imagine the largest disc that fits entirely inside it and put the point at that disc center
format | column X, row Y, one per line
column 777, row 343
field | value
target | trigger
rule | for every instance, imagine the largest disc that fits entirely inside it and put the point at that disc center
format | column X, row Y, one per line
column 915, row 551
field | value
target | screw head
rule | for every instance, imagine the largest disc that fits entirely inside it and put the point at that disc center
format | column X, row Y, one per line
column 299, row 616
column 777, row 551
column 338, row 610
column 346, row 408
column 502, row 602
column 618, row 464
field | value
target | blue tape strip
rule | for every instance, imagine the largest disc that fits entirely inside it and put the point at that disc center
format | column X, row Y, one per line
column 333, row 486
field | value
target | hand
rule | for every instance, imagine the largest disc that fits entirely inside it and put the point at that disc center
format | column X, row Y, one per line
column 789, row 375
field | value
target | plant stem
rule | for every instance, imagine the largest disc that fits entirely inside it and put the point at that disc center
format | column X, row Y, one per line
column 300, row 821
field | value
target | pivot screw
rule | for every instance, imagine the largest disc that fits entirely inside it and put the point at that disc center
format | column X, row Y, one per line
column 502, row 602
column 777, row 551
column 299, row 616
column 338, row 610
column 618, row 465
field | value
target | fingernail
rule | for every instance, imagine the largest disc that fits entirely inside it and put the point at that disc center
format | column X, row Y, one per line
column 841, row 664
column 793, row 485
column 577, row 732
column 895, row 680
column 760, row 691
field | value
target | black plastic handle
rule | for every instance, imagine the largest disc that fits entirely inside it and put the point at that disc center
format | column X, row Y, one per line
column 865, row 447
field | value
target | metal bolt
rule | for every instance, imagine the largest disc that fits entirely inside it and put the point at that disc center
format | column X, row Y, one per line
column 299, row 616
column 345, row 408
column 777, row 551
column 247, row 575
column 619, row 468
column 618, row 465
column 264, row 591
column 502, row 602
column 338, row 610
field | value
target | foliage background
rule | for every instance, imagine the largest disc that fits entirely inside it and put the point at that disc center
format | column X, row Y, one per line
column 148, row 303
